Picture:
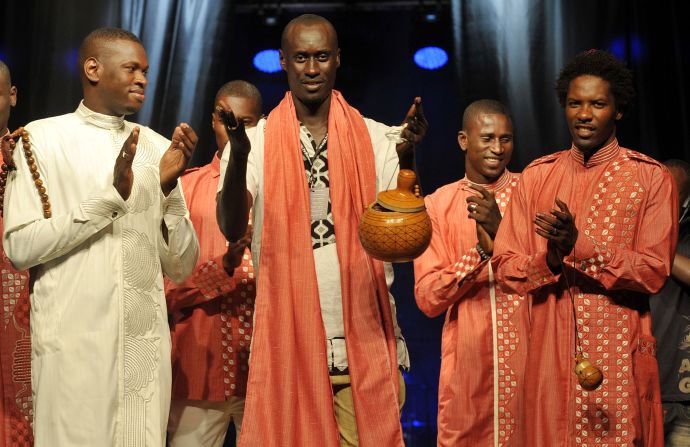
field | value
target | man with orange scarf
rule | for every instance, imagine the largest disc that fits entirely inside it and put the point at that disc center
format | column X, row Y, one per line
column 326, row 349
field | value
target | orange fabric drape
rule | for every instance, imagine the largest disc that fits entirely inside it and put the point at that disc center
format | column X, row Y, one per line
column 289, row 396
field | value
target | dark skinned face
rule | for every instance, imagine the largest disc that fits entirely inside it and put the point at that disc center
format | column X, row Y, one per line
column 591, row 113
column 488, row 145
column 120, row 78
column 8, row 99
column 310, row 59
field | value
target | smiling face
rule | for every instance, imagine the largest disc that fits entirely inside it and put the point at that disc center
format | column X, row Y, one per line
column 118, row 77
column 487, row 142
column 590, row 110
column 310, row 57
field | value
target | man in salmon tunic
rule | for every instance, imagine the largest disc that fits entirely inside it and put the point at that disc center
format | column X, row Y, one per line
column 589, row 235
column 16, row 410
column 484, row 327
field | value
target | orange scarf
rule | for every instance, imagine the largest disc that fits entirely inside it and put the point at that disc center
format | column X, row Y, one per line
column 289, row 396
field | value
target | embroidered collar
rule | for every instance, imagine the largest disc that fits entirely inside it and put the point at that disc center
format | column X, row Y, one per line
column 499, row 184
column 98, row 119
column 603, row 155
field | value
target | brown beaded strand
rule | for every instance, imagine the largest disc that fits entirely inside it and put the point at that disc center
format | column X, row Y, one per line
column 33, row 168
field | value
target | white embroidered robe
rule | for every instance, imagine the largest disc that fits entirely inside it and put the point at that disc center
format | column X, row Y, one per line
column 100, row 338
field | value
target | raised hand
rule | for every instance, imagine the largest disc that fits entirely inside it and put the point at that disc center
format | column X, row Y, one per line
column 123, row 177
column 558, row 228
column 239, row 142
column 484, row 210
column 415, row 129
column 175, row 160
column 233, row 256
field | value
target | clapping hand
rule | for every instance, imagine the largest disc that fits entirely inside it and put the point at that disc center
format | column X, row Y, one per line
column 175, row 160
column 558, row 228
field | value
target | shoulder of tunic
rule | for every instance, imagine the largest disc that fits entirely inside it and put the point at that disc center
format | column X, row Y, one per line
column 546, row 159
column 375, row 125
column 444, row 193
column 441, row 190
column 47, row 132
column 52, row 123
column 191, row 170
column 634, row 155
column 515, row 176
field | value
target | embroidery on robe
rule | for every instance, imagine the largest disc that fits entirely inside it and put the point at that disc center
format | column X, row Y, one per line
column 605, row 327
column 146, row 176
column 141, row 269
column 16, row 358
column 508, row 341
column 235, row 359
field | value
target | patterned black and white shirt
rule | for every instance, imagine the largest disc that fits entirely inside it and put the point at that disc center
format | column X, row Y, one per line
column 315, row 157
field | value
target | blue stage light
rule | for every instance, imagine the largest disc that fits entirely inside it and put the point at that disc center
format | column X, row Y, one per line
column 267, row 61
column 71, row 59
column 431, row 58
column 623, row 48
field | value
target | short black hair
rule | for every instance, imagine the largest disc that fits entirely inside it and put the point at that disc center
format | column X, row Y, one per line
column 485, row 107
column 603, row 65
column 239, row 89
column 306, row 19
column 90, row 43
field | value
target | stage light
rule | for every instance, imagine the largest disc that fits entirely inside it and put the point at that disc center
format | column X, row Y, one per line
column 431, row 58
column 269, row 17
column 71, row 59
column 627, row 47
column 431, row 17
column 431, row 36
column 267, row 61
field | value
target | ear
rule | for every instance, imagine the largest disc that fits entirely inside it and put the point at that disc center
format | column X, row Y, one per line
column 13, row 96
column 337, row 58
column 92, row 69
column 462, row 140
column 283, row 62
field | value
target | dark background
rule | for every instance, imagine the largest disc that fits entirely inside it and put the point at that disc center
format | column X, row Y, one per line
column 510, row 50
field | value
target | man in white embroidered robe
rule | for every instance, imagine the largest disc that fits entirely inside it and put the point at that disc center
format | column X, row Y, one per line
column 101, row 343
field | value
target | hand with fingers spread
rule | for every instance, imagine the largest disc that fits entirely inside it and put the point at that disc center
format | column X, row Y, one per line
column 558, row 228
column 233, row 256
column 415, row 129
column 175, row 160
column 123, row 176
column 483, row 208
column 239, row 142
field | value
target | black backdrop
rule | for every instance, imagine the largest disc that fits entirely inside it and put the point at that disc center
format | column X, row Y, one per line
column 510, row 50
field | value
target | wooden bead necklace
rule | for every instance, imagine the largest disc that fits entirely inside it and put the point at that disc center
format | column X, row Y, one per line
column 8, row 166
